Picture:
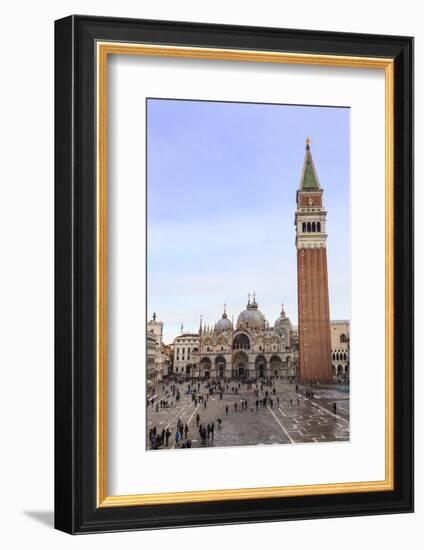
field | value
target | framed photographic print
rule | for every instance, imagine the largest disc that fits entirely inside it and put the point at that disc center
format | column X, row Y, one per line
column 234, row 274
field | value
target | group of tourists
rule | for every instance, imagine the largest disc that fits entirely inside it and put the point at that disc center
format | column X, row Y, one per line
column 171, row 394
column 181, row 436
column 206, row 433
column 159, row 439
column 182, row 433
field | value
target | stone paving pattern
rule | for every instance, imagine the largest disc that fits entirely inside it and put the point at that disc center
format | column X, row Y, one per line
column 296, row 419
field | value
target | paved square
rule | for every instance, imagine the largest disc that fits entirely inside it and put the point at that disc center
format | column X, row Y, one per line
column 287, row 417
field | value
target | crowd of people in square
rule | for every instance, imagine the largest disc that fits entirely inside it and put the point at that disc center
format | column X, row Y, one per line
column 263, row 393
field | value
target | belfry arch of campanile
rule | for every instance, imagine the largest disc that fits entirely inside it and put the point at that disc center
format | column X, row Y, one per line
column 312, row 278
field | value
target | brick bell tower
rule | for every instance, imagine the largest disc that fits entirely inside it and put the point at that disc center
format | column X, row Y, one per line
column 312, row 278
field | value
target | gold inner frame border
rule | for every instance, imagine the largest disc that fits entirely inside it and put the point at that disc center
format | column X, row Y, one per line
column 103, row 50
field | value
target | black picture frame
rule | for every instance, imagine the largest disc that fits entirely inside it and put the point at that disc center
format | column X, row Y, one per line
column 76, row 510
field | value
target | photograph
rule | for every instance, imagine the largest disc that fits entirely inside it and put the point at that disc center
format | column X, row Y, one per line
column 248, row 274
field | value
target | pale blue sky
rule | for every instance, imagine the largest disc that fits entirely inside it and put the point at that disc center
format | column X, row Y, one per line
column 222, row 180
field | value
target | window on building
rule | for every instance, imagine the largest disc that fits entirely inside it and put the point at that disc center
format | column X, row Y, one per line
column 309, row 227
column 343, row 338
column 303, row 227
column 319, row 227
column 313, row 227
column 241, row 341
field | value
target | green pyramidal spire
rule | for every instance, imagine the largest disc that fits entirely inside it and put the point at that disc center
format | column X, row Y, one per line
column 309, row 180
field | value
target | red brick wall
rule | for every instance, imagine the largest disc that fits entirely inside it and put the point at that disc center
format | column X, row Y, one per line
column 304, row 200
column 315, row 339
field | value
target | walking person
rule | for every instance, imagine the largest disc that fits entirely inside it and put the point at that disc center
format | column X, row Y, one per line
column 177, row 438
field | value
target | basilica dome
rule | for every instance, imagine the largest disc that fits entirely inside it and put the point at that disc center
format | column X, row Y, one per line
column 282, row 324
column 224, row 324
column 251, row 317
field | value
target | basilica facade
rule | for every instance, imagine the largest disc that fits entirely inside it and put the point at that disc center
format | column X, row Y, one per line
column 251, row 349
